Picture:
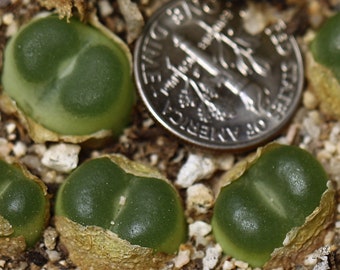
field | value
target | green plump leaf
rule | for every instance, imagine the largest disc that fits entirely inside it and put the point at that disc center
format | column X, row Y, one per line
column 89, row 89
column 144, row 211
column 23, row 203
column 149, row 218
column 325, row 46
column 42, row 45
column 253, row 214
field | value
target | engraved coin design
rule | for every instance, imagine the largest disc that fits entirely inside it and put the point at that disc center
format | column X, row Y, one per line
column 210, row 82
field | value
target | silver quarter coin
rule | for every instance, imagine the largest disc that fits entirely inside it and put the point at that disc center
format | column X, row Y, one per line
column 210, row 82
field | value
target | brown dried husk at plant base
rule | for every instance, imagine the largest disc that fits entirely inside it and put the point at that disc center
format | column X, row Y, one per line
column 305, row 239
column 91, row 247
column 135, row 168
column 12, row 247
column 64, row 7
column 40, row 134
column 324, row 85
column 131, row 13
column 300, row 241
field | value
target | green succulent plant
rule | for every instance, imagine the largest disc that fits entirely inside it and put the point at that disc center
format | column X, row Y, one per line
column 265, row 202
column 323, row 66
column 139, row 208
column 24, row 208
column 71, row 78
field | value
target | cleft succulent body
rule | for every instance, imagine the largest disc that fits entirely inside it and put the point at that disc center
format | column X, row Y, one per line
column 69, row 78
column 140, row 209
column 274, row 208
column 24, row 208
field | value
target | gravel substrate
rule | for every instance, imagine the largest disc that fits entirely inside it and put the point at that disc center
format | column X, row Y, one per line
column 193, row 171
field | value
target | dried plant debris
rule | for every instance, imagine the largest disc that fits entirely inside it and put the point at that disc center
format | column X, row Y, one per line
column 146, row 142
column 65, row 8
column 129, row 10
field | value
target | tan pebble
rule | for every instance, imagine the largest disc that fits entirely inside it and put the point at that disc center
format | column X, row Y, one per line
column 315, row 116
column 105, row 8
column 228, row 265
column 323, row 155
column 8, row 18
column 315, row 14
column 200, row 199
column 5, row 147
column 329, row 238
column 310, row 259
column 241, row 264
column 50, row 238
column 329, row 147
column 309, row 100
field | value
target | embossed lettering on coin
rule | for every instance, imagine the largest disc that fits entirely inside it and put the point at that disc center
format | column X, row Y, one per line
column 208, row 81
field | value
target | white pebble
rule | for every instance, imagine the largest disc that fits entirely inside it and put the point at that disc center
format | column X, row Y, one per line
column 19, row 149
column 211, row 257
column 10, row 128
column 61, row 157
column 199, row 228
column 228, row 265
column 241, row 264
column 253, row 19
column 337, row 224
column 311, row 126
column 182, row 258
column 53, row 255
column 197, row 167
